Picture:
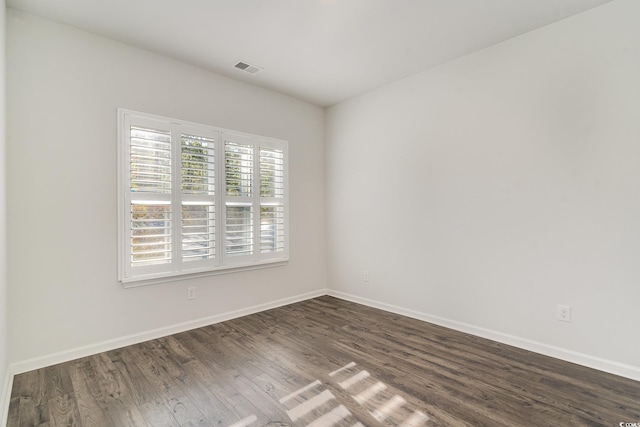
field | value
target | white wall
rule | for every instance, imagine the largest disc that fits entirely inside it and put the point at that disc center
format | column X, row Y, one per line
column 488, row 190
column 64, row 86
column 4, row 320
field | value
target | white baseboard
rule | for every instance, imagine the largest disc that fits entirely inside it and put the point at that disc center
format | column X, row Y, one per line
column 6, row 397
column 610, row 366
column 91, row 349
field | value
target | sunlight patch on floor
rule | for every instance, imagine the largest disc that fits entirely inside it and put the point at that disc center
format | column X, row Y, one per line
column 299, row 391
column 354, row 379
column 336, row 415
column 314, row 405
column 309, row 405
column 348, row 366
column 245, row 422
column 368, row 394
column 384, row 406
column 383, row 412
column 415, row 420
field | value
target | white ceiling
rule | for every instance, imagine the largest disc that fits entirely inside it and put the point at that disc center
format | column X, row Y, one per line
column 322, row 51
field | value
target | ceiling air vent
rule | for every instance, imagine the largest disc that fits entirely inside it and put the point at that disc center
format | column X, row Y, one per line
column 251, row 69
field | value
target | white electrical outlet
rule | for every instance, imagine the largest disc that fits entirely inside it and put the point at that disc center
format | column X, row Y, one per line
column 564, row 313
column 365, row 276
column 191, row 292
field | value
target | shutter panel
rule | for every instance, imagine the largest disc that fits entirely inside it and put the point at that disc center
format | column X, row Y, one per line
column 272, row 220
column 271, row 173
column 271, row 229
column 150, row 189
column 150, row 161
column 198, row 165
column 198, row 231
column 239, row 214
column 239, row 230
column 238, row 169
column 150, row 233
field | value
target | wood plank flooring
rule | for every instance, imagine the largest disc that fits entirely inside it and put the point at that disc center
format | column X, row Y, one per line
column 321, row 363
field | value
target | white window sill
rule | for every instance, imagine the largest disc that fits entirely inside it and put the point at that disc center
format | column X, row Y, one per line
column 137, row 282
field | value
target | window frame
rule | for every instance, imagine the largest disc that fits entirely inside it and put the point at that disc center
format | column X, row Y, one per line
column 177, row 268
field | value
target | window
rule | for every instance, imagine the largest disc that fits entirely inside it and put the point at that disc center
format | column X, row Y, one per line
column 195, row 199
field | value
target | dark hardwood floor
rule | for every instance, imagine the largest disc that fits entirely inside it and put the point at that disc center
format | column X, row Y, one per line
column 323, row 362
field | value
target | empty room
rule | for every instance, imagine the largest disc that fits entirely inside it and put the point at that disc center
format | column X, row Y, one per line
column 244, row 213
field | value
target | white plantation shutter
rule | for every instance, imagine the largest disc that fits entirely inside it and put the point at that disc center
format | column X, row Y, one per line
column 255, row 199
column 149, row 217
column 272, row 190
column 150, row 160
column 150, row 233
column 271, row 228
column 239, row 230
column 238, row 168
column 198, row 232
column 198, row 165
column 150, row 188
column 239, row 198
column 271, row 173
column 195, row 199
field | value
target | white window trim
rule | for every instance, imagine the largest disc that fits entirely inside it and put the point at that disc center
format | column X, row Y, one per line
column 222, row 264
